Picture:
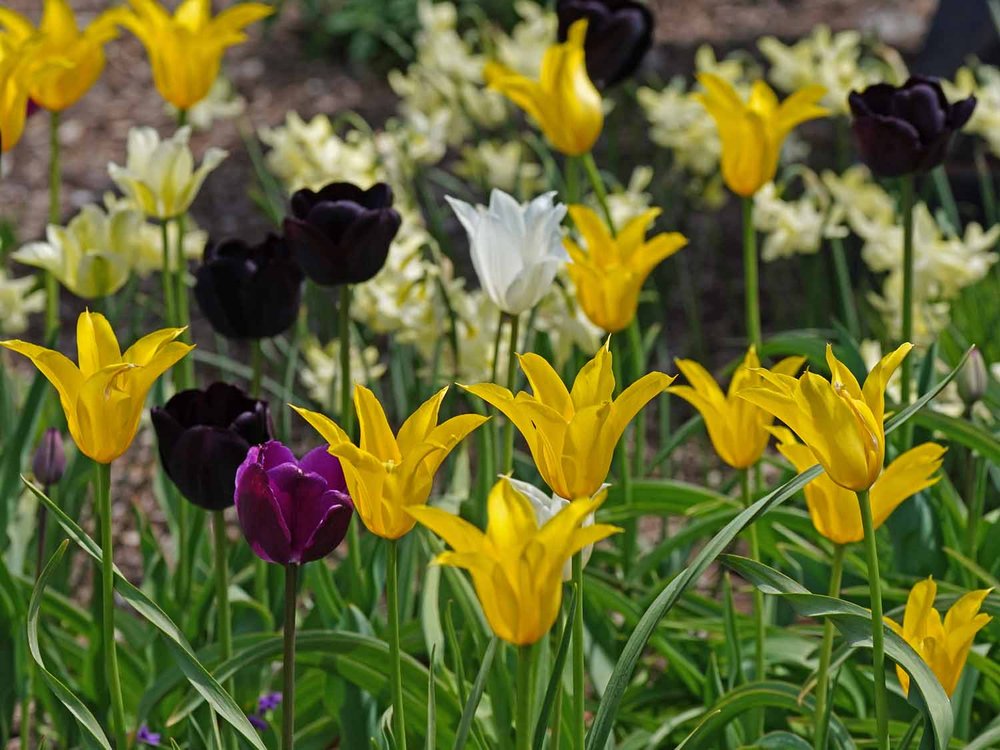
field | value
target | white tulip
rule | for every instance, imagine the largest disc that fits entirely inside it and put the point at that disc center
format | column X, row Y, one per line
column 548, row 506
column 516, row 248
column 159, row 176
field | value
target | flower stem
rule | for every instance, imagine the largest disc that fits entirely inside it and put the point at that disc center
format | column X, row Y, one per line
column 346, row 414
column 55, row 183
column 823, row 697
column 752, row 292
column 508, row 430
column 845, row 289
column 169, row 310
column 760, row 665
column 906, row 368
column 186, row 368
column 225, row 634
column 392, row 602
column 102, row 486
column 288, row 666
column 590, row 166
column 579, row 685
column 638, row 365
column 256, row 367
column 878, row 627
column 524, row 658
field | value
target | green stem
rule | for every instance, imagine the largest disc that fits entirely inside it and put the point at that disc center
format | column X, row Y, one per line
column 508, row 430
column 638, row 367
column 256, row 367
column 845, row 289
column 186, row 368
column 751, row 286
column 392, row 602
column 760, row 665
column 590, row 166
column 579, row 684
column 524, row 658
column 906, row 368
column 346, row 414
column 824, row 701
column 878, row 627
column 495, row 369
column 55, row 183
column 221, row 544
column 572, row 180
column 169, row 310
column 103, row 490
column 288, row 665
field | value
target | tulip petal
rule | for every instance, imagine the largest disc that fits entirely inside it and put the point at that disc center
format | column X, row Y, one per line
column 595, row 383
column 546, row 385
column 326, row 427
column 376, row 435
column 331, row 530
column 910, row 473
column 633, row 399
column 459, row 534
column 260, row 516
column 420, row 423
column 97, row 346
column 878, row 379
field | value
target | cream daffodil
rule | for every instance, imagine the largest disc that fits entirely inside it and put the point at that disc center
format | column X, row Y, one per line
column 736, row 427
column 104, row 396
column 516, row 565
column 388, row 473
column 841, row 421
column 572, row 434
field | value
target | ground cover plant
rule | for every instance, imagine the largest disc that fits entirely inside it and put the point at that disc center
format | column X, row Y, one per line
column 454, row 454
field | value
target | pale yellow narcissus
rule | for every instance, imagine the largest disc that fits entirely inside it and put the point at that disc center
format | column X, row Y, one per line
column 517, row 565
column 737, row 428
column 572, row 434
column 752, row 132
column 609, row 271
column 66, row 61
column 185, row 50
column 943, row 645
column 838, row 419
column 835, row 511
column 104, row 396
column 387, row 473
column 563, row 102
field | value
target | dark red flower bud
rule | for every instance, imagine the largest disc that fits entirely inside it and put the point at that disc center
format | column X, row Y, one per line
column 619, row 34
column 342, row 234
column 249, row 291
column 49, row 463
column 906, row 129
column 204, row 435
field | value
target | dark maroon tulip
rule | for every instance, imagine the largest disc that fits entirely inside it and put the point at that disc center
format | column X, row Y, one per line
column 619, row 34
column 291, row 511
column 906, row 129
column 341, row 235
column 49, row 462
column 204, row 435
column 249, row 291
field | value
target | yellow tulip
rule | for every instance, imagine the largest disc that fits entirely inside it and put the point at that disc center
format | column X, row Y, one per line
column 563, row 102
column 387, row 474
column 610, row 272
column 943, row 645
column 185, row 50
column 737, row 428
column 835, row 511
column 103, row 398
column 517, row 565
column 838, row 419
column 16, row 70
column 572, row 434
column 752, row 132
column 66, row 61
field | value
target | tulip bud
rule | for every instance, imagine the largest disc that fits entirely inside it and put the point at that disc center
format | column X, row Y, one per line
column 49, row 463
column 973, row 379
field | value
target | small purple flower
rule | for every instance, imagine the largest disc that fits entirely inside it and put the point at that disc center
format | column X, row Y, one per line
column 292, row 511
column 906, row 129
column 257, row 722
column 148, row 737
column 268, row 702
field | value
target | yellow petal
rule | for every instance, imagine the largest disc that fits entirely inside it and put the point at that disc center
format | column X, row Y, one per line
column 460, row 535
column 595, row 383
column 878, row 379
column 376, row 435
column 546, row 385
column 96, row 344
column 420, row 423
column 911, row 472
column 326, row 427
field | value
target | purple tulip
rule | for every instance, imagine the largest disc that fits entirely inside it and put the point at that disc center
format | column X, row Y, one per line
column 292, row 511
column 619, row 34
column 906, row 129
column 49, row 463
column 341, row 235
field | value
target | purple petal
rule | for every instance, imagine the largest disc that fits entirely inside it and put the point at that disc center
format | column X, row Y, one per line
column 330, row 531
column 301, row 498
column 274, row 453
column 320, row 461
column 889, row 146
column 261, row 517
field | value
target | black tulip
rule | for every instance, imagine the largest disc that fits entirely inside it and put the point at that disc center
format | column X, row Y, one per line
column 249, row 291
column 204, row 435
column 906, row 129
column 619, row 34
column 49, row 462
column 341, row 235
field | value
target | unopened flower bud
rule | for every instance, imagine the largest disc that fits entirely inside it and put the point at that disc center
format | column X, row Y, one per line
column 49, row 462
column 973, row 378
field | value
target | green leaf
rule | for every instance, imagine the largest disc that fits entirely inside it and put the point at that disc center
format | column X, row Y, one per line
column 67, row 697
column 194, row 670
column 555, row 680
column 961, row 431
column 469, row 712
column 854, row 623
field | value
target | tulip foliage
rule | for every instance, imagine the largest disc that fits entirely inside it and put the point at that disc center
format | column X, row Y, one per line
column 485, row 434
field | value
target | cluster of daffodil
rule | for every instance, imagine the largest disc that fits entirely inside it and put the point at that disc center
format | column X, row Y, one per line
column 562, row 259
